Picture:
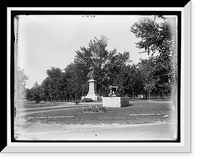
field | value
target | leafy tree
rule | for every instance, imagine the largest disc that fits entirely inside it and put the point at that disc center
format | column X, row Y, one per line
column 163, row 74
column 75, row 80
column 51, row 84
column 147, row 68
column 29, row 95
column 48, row 89
column 118, row 71
column 157, row 39
column 63, row 87
column 96, row 56
column 37, row 92
column 20, row 83
column 107, row 65
column 54, row 72
column 136, row 82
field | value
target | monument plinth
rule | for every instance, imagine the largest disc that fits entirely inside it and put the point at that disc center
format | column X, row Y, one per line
column 92, row 93
column 113, row 100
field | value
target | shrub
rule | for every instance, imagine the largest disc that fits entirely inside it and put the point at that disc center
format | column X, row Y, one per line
column 87, row 100
column 94, row 109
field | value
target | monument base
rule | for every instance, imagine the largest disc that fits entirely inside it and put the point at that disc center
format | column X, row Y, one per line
column 92, row 90
column 94, row 97
column 115, row 101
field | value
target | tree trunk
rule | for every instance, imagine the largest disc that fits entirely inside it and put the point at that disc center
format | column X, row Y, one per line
column 163, row 97
column 149, row 96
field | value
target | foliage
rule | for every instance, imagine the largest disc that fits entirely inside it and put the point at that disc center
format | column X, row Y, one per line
column 36, row 93
column 150, row 75
column 147, row 68
column 95, row 109
column 157, row 38
column 20, row 83
column 106, row 64
column 51, row 84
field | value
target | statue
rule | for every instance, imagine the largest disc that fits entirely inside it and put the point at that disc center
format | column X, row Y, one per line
column 113, row 90
column 92, row 93
column 91, row 73
column 91, row 69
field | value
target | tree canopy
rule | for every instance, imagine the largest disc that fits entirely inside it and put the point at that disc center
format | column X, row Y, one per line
column 157, row 38
column 149, row 76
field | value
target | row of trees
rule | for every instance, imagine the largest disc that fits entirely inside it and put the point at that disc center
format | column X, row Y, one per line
column 154, row 75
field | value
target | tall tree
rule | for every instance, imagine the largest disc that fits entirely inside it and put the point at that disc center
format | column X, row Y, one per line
column 94, row 55
column 51, row 84
column 37, row 92
column 107, row 65
column 20, row 84
column 136, row 82
column 147, row 68
column 157, row 39
column 29, row 95
column 76, row 77
column 48, row 89
column 118, row 71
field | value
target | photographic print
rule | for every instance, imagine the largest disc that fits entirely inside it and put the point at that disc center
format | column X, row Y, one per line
column 96, row 77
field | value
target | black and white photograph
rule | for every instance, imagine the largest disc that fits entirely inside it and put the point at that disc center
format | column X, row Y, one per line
column 96, row 77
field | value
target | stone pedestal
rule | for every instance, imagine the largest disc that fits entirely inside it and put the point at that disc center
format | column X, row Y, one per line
column 115, row 101
column 92, row 93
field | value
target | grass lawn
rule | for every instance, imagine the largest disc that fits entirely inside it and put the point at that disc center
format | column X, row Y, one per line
column 42, row 104
column 137, row 113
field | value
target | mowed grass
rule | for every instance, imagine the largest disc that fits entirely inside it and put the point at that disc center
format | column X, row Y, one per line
column 42, row 104
column 138, row 113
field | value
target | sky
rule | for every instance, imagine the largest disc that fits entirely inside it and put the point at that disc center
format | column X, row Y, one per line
column 46, row 41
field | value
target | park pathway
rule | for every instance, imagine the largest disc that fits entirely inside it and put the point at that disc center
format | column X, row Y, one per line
column 65, row 106
column 57, row 132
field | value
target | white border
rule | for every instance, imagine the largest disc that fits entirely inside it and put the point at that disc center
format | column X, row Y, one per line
column 184, row 146
column 95, row 9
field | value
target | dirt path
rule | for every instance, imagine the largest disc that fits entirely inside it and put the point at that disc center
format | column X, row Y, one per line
column 27, row 111
column 41, row 131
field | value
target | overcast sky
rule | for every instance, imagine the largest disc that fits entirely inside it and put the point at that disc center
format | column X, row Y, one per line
column 51, row 40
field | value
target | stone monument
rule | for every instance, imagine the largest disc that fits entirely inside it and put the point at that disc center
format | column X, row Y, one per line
column 113, row 90
column 113, row 100
column 92, row 93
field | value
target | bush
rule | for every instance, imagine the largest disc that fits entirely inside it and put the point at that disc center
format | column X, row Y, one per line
column 94, row 109
column 87, row 100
